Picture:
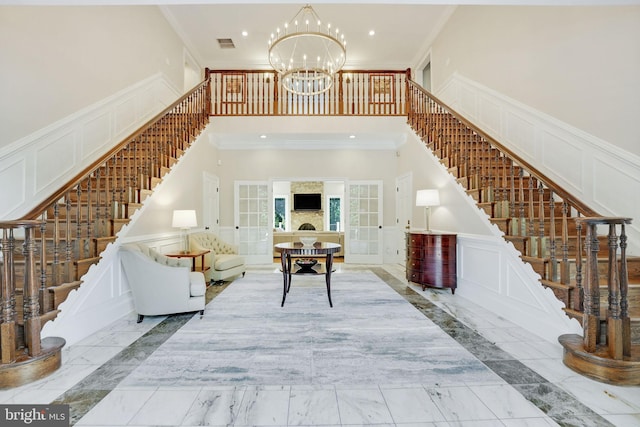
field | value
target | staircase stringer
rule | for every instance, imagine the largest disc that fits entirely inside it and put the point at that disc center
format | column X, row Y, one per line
column 106, row 274
column 525, row 315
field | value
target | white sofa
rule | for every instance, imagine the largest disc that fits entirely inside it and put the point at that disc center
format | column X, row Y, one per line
column 223, row 260
column 159, row 284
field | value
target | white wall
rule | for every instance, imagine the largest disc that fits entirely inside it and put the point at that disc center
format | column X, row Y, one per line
column 455, row 213
column 58, row 60
column 577, row 64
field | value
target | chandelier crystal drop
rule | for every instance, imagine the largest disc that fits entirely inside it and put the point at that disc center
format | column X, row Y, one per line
column 306, row 53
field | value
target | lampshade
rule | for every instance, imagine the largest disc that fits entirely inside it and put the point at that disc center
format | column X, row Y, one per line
column 184, row 219
column 427, row 198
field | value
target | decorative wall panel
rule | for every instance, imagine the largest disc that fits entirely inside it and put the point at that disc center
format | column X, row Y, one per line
column 584, row 165
column 15, row 174
column 79, row 139
column 49, row 169
column 565, row 159
column 96, row 135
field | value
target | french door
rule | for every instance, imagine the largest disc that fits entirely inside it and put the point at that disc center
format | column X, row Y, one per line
column 253, row 210
column 363, row 235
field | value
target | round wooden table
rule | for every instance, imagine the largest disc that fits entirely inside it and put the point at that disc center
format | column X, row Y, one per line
column 297, row 249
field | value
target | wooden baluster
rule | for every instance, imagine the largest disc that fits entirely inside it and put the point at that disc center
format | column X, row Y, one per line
column 89, row 224
column 69, row 276
column 531, row 217
column 56, row 274
column 552, row 238
column 541, row 227
column 277, row 108
column 31, row 306
column 591, row 316
column 579, row 249
column 624, row 294
column 521, row 222
column 7, row 298
column 502, row 179
column 564, row 263
column 43, row 293
column 512, row 192
column 614, row 319
column 79, row 246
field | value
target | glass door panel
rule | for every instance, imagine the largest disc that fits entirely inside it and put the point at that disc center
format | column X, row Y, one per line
column 364, row 232
column 253, row 228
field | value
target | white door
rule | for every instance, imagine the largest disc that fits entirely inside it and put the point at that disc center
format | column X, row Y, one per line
column 211, row 203
column 253, row 213
column 363, row 234
column 404, row 203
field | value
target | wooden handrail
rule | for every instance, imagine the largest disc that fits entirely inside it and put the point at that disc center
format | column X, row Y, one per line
column 558, row 189
column 354, row 92
column 46, row 253
column 36, row 211
column 505, row 185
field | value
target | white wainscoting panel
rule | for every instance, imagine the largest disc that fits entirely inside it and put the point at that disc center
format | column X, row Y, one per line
column 54, row 160
column 476, row 259
column 53, row 155
column 96, row 133
column 565, row 159
column 491, row 274
column 14, row 173
column 602, row 175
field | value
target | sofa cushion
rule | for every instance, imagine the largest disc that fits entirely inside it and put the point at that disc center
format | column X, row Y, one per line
column 197, row 287
column 227, row 261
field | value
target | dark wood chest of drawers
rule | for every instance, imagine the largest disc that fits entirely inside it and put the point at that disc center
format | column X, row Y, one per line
column 431, row 260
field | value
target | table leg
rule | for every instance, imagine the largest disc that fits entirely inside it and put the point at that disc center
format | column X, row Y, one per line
column 288, row 272
column 285, row 276
column 329, row 265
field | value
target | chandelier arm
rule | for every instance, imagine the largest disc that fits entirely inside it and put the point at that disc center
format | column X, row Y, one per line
column 293, row 54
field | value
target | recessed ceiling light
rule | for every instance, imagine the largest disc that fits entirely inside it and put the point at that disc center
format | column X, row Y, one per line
column 372, row 33
column 352, row 136
column 263, row 136
column 245, row 34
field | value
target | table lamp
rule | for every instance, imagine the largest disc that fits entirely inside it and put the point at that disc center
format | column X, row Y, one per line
column 184, row 220
column 427, row 198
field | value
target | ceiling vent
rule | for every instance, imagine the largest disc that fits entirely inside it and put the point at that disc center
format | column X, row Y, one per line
column 226, row 44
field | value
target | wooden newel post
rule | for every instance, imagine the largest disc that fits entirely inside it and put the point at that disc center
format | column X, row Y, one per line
column 7, row 300
column 31, row 304
column 591, row 319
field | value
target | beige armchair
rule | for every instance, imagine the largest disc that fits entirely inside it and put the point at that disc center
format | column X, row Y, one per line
column 223, row 260
column 159, row 284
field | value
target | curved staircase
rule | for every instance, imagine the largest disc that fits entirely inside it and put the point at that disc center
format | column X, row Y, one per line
column 579, row 254
column 46, row 253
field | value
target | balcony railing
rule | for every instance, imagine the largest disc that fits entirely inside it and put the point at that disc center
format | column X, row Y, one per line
column 354, row 93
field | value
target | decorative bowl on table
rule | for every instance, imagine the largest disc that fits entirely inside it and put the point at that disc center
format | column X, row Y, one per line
column 306, row 265
column 307, row 241
column 306, row 262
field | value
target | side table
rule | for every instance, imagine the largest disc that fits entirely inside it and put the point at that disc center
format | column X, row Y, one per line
column 193, row 256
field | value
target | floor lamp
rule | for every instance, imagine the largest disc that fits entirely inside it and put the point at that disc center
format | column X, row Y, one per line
column 184, row 220
column 427, row 198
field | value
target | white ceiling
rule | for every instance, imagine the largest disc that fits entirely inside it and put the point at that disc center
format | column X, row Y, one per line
column 403, row 32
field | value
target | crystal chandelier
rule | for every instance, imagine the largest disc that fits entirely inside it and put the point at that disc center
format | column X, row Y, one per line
column 306, row 54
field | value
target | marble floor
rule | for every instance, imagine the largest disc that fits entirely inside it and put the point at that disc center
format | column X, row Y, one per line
column 387, row 354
